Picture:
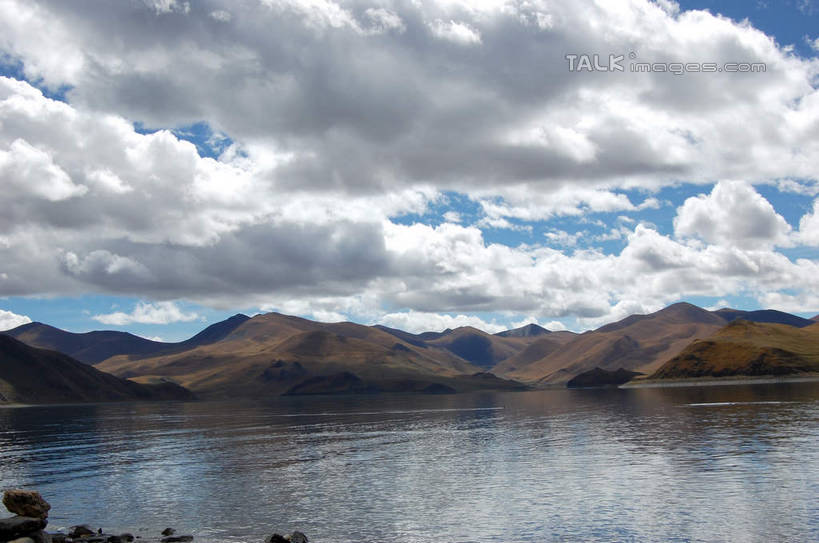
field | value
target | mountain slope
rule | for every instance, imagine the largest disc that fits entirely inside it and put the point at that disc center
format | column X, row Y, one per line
column 528, row 330
column 31, row 375
column 480, row 348
column 272, row 353
column 637, row 343
column 749, row 349
column 764, row 315
column 94, row 347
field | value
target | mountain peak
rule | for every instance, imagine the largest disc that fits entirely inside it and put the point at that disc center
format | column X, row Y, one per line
column 528, row 330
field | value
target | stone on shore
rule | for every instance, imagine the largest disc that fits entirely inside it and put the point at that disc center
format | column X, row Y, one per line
column 295, row 537
column 177, row 539
column 26, row 503
column 18, row 526
column 41, row 537
column 168, row 531
column 22, row 540
column 80, row 531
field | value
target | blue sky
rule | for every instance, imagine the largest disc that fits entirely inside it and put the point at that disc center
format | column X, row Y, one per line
column 402, row 183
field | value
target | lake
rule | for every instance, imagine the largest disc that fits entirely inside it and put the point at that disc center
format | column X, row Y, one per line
column 727, row 463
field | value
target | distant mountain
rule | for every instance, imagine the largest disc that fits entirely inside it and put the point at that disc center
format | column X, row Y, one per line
column 764, row 315
column 31, row 375
column 530, row 330
column 744, row 348
column 533, row 352
column 475, row 346
column 276, row 354
column 637, row 343
column 94, row 347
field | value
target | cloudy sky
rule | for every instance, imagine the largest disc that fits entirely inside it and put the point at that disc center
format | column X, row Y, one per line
column 166, row 163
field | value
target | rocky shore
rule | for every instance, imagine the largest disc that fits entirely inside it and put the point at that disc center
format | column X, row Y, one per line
column 30, row 519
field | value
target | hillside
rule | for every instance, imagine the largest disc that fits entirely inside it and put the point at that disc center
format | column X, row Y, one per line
column 94, row 347
column 529, row 330
column 273, row 353
column 31, row 375
column 764, row 315
column 745, row 348
column 639, row 343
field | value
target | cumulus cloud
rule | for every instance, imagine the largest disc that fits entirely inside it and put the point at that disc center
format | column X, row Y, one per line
column 325, row 158
column 418, row 321
column 9, row 320
column 732, row 214
column 809, row 227
column 148, row 313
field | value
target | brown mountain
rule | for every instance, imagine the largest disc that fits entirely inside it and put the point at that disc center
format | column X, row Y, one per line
column 94, row 347
column 480, row 348
column 31, row 375
column 273, row 353
column 764, row 315
column 747, row 349
column 637, row 343
column 533, row 352
column 528, row 330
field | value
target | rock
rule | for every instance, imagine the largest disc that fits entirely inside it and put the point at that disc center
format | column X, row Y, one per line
column 41, row 537
column 276, row 538
column 22, row 540
column 13, row 527
column 58, row 538
column 127, row 537
column 114, row 539
column 297, row 537
column 80, row 531
column 177, row 538
column 168, row 531
column 26, row 503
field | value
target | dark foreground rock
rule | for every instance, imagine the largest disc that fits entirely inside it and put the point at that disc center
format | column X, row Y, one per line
column 17, row 526
column 26, row 503
column 295, row 537
column 30, row 529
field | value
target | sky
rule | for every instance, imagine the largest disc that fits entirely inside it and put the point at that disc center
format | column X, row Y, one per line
column 165, row 164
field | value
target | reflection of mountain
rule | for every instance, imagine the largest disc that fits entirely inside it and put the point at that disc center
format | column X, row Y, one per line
column 30, row 375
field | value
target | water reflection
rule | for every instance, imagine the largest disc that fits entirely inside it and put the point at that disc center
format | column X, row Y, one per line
column 683, row 464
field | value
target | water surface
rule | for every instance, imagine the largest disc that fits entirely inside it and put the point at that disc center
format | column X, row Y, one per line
column 738, row 463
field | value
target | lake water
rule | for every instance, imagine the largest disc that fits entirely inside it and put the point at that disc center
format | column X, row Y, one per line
column 737, row 463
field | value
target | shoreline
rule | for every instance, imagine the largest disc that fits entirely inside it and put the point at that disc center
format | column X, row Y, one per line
column 720, row 381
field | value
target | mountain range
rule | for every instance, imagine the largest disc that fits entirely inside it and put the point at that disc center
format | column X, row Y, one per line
column 274, row 354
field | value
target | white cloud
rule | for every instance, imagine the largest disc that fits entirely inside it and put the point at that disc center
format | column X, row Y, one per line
column 452, row 216
column 9, row 320
column 808, row 233
column 221, row 15
column 455, row 31
column 148, row 313
column 561, row 238
column 303, row 205
column 417, row 322
column 24, row 168
column 732, row 214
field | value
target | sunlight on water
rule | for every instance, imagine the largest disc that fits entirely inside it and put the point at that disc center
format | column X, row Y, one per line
column 690, row 464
